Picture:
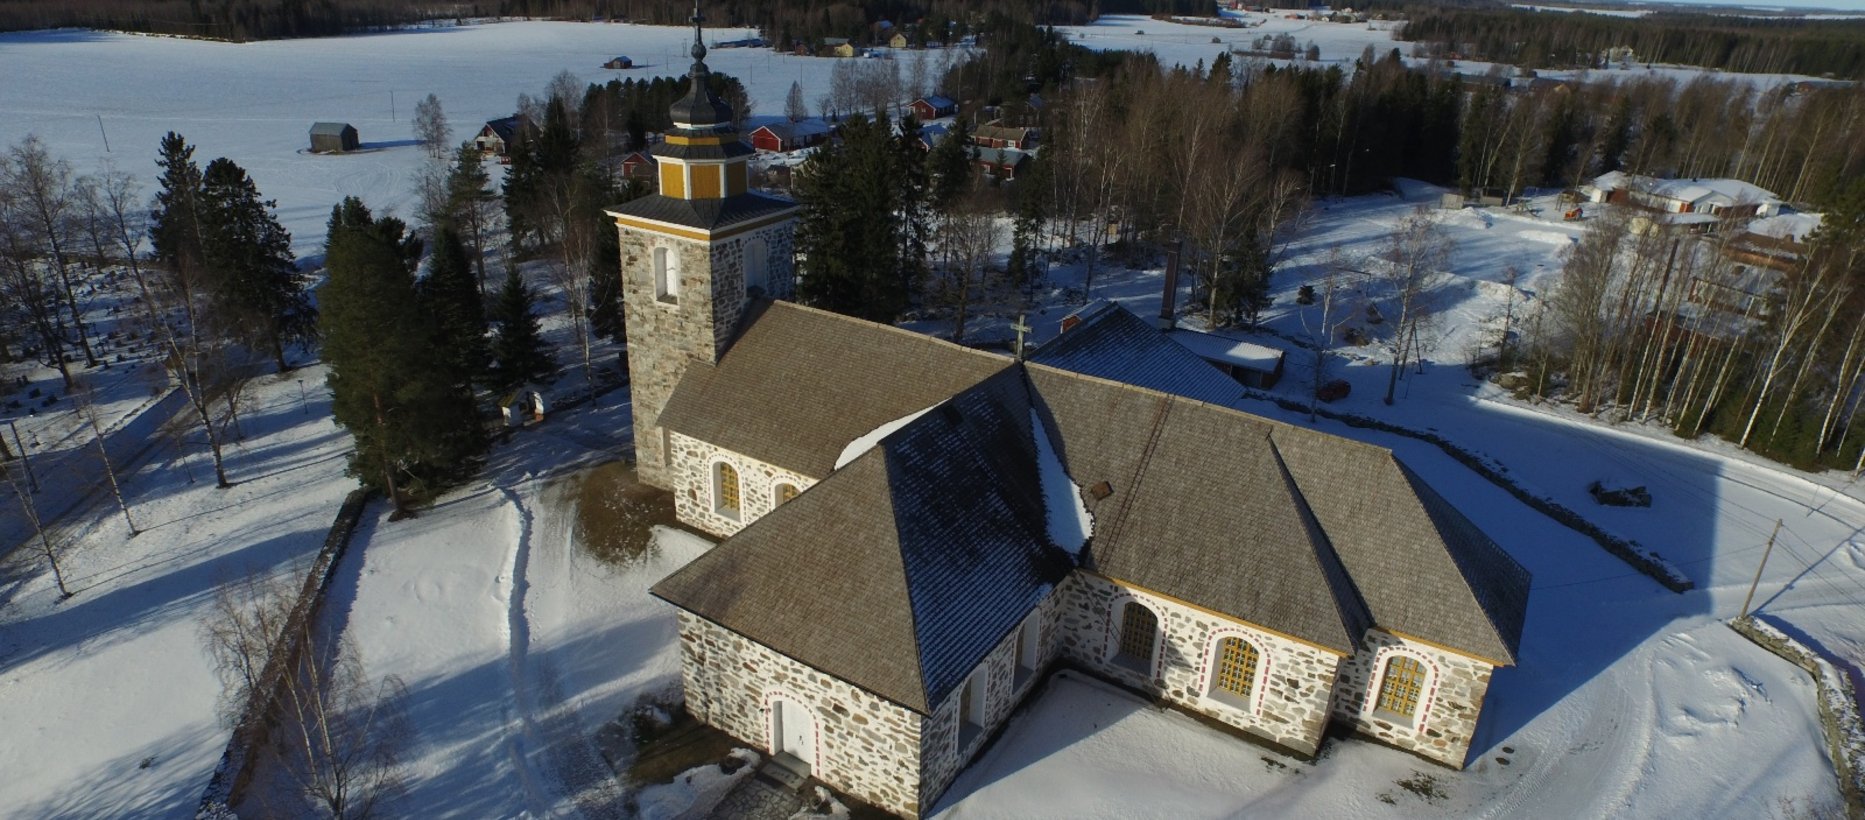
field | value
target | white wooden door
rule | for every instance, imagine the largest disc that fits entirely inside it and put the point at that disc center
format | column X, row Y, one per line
column 796, row 732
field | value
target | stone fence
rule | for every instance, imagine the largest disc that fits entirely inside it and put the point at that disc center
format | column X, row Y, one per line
column 259, row 716
column 1839, row 710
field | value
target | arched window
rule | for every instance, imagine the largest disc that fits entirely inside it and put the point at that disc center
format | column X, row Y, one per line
column 757, row 267
column 1234, row 670
column 725, row 489
column 1401, row 686
column 666, row 275
column 1139, row 633
column 785, row 492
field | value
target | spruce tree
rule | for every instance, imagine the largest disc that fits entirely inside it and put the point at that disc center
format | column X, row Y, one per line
column 252, row 277
column 451, row 298
column 848, row 235
column 415, row 429
column 174, row 224
column 470, row 206
column 518, row 346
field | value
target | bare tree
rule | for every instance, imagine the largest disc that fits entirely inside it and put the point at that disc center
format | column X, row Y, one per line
column 431, row 128
column 1418, row 249
column 340, row 736
column 114, row 200
column 41, row 185
column 86, row 402
column 40, row 535
column 26, row 284
column 971, row 234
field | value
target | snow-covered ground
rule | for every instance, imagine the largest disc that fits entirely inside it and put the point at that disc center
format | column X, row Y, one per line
column 108, row 698
column 1630, row 701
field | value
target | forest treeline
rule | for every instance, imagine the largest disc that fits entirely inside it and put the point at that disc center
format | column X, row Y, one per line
column 1543, row 40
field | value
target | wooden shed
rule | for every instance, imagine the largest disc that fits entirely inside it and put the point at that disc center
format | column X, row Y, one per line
column 333, row 137
column 619, row 62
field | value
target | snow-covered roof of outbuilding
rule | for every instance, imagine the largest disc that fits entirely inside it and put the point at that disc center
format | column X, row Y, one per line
column 1212, row 347
column 1794, row 227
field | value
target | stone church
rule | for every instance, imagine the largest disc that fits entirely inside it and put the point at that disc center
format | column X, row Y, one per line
column 916, row 533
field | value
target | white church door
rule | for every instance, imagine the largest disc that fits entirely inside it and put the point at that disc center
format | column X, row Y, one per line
column 795, row 731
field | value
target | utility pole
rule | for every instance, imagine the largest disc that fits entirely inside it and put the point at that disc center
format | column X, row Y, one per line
column 1764, row 565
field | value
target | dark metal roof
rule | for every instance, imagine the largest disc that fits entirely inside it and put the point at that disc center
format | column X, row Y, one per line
column 705, row 214
column 330, row 129
column 1112, row 343
column 725, row 150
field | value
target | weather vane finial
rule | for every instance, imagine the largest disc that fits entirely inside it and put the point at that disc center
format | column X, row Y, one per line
column 699, row 48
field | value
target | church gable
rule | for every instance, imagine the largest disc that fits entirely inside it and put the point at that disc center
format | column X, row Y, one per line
column 799, row 384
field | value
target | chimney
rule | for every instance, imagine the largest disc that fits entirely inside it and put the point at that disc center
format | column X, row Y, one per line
column 1168, row 303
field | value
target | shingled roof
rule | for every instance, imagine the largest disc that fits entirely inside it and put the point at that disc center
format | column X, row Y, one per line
column 800, row 384
column 1201, row 508
column 903, row 569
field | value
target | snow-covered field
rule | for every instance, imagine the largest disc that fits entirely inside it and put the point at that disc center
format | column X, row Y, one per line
column 1339, row 44
column 1630, row 701
column 255, row 102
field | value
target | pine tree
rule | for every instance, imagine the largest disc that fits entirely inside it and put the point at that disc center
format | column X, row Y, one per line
column 415, row 429
column 518, row 347
column 252, row 278
column 451, row 298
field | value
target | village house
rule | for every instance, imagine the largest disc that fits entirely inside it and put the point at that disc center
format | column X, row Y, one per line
column 1001, row 164
column 1003, row 136
column 898, row 41
column 933, row 107
column 619, row 62
column 915, row 533
column 496, row 137
column 1718, row 198
column 782, row 137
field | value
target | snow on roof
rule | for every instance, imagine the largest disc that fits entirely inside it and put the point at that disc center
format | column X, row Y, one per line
column 868, row 440
column 1230, row 351
column 1070, row 524
column 1794, row 227
column 1718, row 191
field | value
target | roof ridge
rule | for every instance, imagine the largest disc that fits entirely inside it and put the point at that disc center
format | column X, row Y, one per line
column 1325, row 553
column 898, row 555
column 890, row 328
column 1274, row 423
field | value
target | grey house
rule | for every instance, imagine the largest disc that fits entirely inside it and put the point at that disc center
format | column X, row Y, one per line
column 333, row 137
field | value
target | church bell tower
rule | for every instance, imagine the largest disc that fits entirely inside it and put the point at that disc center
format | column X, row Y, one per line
column 693, row 256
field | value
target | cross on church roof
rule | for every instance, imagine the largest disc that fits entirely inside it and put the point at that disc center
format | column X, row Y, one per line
column 1021, row 328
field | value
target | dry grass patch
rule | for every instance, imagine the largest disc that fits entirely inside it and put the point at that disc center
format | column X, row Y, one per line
column 616, row 513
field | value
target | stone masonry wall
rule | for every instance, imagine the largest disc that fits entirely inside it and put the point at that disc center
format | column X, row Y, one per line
column 941, row 758
column 691, row 472
column 663, row 338
column 865, row 746
column 1448, row 707
column 1289, row 702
